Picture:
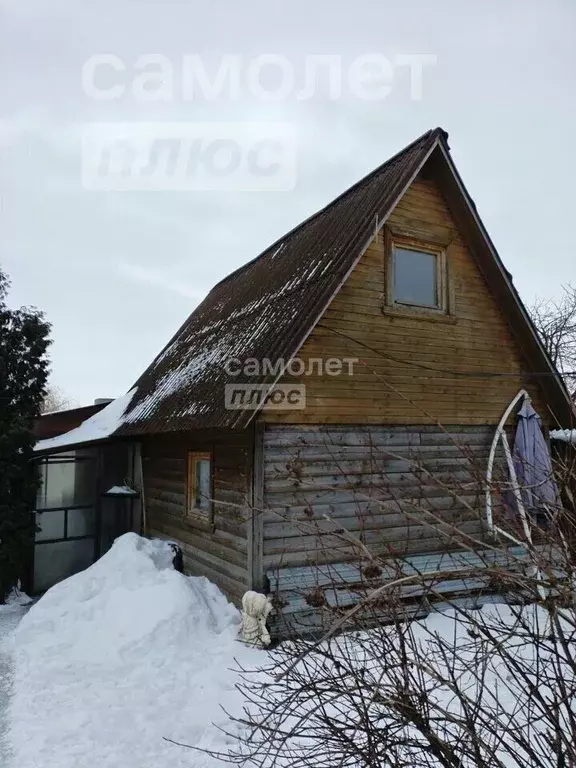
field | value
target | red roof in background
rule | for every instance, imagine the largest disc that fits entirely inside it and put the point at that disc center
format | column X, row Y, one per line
column 58, row 422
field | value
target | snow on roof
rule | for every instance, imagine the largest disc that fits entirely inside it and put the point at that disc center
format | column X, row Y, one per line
column 121, row 490
column 264, row 309
column 97, row 427
column 566, row 435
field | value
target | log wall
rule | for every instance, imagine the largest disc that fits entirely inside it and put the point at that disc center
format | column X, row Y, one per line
column 397, row 490
column 219, row 551
column 335, row 495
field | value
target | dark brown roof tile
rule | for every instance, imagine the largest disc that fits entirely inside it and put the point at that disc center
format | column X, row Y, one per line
column 266, row 308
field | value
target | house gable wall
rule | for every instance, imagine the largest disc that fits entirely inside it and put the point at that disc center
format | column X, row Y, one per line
column 391, row 459
column 400, row 389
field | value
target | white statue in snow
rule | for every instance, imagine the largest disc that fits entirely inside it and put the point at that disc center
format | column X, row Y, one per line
column 255, row 611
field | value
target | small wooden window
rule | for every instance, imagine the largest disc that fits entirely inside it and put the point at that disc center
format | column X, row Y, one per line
column 200, row 485
column 417, row 276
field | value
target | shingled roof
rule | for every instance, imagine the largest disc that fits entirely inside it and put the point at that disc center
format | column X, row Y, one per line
column 268, row 307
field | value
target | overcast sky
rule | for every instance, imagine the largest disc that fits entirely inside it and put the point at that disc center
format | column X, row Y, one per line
column 117, row 272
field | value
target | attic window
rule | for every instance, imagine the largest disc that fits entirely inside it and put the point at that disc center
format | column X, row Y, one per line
column 417, row 276
column 200, row 486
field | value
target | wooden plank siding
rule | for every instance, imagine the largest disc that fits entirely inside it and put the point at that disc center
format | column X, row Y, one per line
column 334, row 493
column 219, row 551
column 394, row 383
column 389, row 460
column 399, row 490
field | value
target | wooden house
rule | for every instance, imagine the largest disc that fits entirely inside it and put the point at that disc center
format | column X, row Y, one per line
column 396, row 339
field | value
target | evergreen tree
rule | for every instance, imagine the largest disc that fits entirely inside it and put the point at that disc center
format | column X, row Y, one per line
column 23, row 373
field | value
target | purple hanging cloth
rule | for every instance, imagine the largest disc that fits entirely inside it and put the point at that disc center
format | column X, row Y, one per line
column 533, row 463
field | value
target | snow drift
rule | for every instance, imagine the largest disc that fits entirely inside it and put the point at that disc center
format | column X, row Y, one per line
column 114, row 659
column 117, row 659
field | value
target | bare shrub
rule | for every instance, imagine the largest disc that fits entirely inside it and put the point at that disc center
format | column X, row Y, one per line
column 411, row 672
column 56, row 400
column 555, row 320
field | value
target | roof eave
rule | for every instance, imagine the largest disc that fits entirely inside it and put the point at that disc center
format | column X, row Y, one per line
column 555, row 380
column 439, row 136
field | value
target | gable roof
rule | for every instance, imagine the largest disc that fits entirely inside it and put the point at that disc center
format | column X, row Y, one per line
column 268, row 307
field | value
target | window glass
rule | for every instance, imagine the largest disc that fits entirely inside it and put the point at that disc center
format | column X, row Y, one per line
column 57, row 489
column 203, row 489
column 84, row 481
column 65, row 481
column 415, row 277
column 54, row 562
column 200, row 483
column 51, row 525
column 81, row 522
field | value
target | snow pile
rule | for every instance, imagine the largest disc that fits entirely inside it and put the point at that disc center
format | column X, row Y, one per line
column 15, row 600
column 114, row 659
column 566, row 435
column 10, row 614
column 97, row 427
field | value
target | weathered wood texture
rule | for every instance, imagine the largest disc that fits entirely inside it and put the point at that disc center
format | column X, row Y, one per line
column 398, row 490
column 311, row 598
column 218, row 552
column 256, row 516
column 336, row 495
column 394, row 384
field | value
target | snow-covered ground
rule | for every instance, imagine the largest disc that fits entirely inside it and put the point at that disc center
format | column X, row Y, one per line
column 115, row 661
column 117, row 658
column 10, row 616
